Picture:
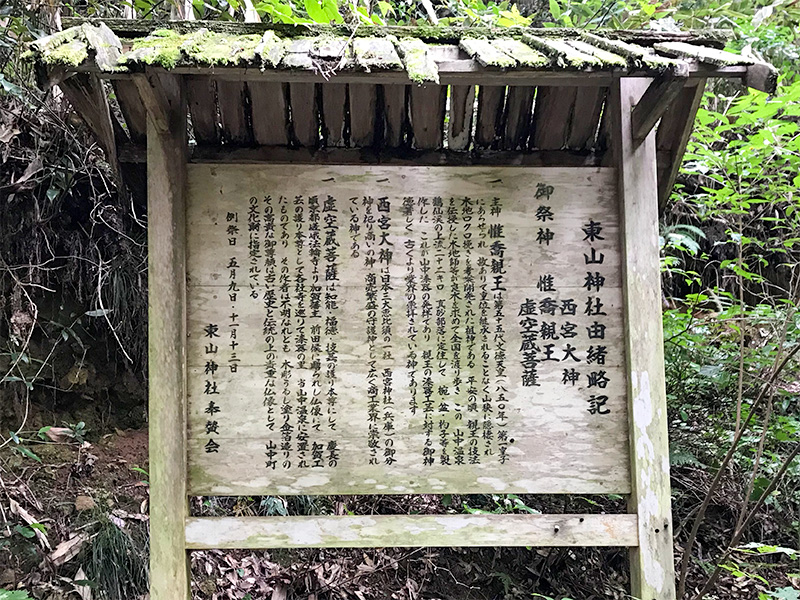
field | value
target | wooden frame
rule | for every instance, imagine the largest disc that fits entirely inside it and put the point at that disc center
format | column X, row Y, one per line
column 169, row 507
column 652, row 567
column 646, row 530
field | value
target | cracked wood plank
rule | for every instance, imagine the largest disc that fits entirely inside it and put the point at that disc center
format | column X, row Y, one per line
column 462, row 107
column 491, row 100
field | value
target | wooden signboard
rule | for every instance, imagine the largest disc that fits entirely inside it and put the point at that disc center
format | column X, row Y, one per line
column 404, row 330
column 362, row 329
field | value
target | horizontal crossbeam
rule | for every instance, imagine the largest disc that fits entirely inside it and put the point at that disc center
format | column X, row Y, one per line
column 408, row 531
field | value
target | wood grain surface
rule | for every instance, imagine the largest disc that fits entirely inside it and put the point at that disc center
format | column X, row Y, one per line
column 545, row 438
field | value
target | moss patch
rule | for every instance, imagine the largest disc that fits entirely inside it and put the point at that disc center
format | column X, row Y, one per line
column 162, row 47
column 523, row 54
column 419, row 65
column 486, row 54
column 562, row 52
column 205, row 47
column 71, row 54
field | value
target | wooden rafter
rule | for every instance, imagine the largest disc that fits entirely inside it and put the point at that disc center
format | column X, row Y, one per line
column 654, row 103
column 86, row 94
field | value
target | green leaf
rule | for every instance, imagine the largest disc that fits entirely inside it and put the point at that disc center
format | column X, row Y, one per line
column 25, row 452
column 14, row 594
column 316, row 12
column 387, row 8
column 555, row 9
column 786, row 593
column 25, row 532
column 10, row 88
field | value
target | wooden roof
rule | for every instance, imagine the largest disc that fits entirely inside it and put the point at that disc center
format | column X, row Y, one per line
column 391, row 54
column 428, row 95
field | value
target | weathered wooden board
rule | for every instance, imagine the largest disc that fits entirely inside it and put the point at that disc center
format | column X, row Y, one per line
column 231, row 96
column 132, row 109
column 404, row 330
column 409, row 531
column 551, row 117
column 166, row 200
column 304, row 113
column 490, row 114
column 334, row 108
column 268, row 103
column 363, row 109
column 202, row 97
column 462, row 107
column 427, row 110
column 518, row 117
column 586, row 117
column 652, row 564
column 395, row 115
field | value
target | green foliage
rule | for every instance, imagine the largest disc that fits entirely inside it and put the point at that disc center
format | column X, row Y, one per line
column 117, row 561
column 495, row 504
column 614, row 14
column 785, row 593
column 14, row 595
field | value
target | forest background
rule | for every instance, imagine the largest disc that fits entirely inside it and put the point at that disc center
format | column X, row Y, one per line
column 73, row 382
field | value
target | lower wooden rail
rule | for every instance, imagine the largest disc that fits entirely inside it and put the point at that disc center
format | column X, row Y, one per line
column 405, row 531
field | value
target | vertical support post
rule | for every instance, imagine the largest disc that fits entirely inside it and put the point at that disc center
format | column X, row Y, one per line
column 166, row 176
column 652, row 565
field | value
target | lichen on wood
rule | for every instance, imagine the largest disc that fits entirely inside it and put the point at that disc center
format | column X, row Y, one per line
column 608, row 58
column 74, row 46
column 712, row 56
column 376, row 53
column 522, row 53
column 70, row 54
column 298, row 54
column 486, row 54
column 162, row 47
column 637, row 56
column 271, row 49
column 563, row 54
column 419, row 64
column 206, row 47
column 168, row 48
column 334, row 51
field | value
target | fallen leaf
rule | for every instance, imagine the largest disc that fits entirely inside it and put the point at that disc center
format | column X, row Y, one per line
column 33, row 167
column 30, row 520
column 8, row 133
column 59, row 434
column 84, row 591
column 68, row 550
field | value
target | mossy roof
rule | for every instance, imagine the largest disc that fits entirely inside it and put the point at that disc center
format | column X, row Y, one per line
column 96, row 46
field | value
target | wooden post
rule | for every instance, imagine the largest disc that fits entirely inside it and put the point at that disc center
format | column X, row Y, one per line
column 166, row 176
column 652, row 565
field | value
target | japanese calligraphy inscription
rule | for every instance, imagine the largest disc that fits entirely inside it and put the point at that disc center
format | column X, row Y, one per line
column 358, row 329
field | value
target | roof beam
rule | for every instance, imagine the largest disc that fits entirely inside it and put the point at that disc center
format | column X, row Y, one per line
column 672, row 138
column 138, row 28
column 154, row 97
column 654, row 103
column 87, row 96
